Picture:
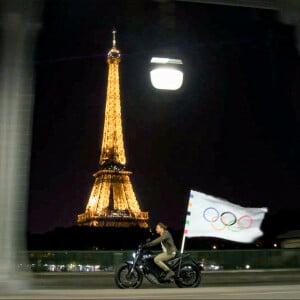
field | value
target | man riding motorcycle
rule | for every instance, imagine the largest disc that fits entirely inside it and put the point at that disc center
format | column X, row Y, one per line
column 168, row 246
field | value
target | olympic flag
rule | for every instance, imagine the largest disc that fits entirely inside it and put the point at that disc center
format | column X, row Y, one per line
column 208, row 216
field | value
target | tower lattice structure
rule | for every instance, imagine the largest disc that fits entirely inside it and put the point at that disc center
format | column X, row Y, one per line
column 112, row 202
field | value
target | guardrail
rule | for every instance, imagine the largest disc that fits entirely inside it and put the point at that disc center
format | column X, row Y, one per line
column 107, row 260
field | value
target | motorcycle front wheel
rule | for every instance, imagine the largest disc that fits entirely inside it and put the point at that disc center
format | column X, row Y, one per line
column 125, row 279
column 189, row 276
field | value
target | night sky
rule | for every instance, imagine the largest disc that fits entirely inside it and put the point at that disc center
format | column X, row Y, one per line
column 231, row 131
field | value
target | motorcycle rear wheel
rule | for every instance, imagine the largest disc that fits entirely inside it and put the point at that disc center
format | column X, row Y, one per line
column 189, row 276
column 125, row 280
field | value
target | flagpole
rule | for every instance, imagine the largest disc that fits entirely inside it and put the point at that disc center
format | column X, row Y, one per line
column 182, row 243
column 185, row 228
column 183, row 240
column 181, row 252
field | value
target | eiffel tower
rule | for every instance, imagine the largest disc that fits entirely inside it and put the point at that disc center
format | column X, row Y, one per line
column 112, row 201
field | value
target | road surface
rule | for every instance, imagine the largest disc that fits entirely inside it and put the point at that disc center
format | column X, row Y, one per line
column 105, row 280
column 255, row 284
column 229, row 292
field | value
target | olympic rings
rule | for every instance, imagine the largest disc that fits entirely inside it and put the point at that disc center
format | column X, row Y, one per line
column 244, row 217
column 205, row 214
column 230, row 214
column 214, row 219
column 227, row 219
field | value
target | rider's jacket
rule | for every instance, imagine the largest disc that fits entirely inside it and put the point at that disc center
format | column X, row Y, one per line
column 167, row 242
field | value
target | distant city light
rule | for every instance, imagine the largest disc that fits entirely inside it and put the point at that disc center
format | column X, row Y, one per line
column 166, row 73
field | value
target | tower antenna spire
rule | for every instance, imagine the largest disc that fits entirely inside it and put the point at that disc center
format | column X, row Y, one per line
column 114, row 37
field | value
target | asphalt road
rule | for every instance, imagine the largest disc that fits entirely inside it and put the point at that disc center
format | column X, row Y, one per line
column 250, row 284
column 241, row 292
column 105, row 280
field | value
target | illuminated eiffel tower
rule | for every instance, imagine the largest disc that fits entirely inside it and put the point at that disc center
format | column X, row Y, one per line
column 112, row 202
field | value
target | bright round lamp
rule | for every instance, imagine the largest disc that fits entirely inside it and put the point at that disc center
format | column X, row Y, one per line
column 166, row 74
column 164, row 78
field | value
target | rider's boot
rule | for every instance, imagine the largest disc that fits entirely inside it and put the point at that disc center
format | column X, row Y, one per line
column 169, row 275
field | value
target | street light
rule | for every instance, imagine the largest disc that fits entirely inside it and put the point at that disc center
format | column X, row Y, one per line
column 166, row 73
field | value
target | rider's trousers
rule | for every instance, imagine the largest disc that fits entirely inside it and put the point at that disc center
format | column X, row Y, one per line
column 160, row 258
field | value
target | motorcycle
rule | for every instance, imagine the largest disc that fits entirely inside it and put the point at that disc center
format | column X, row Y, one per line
column 132, row 273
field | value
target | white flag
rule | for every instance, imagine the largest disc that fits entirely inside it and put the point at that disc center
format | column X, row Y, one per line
column 208, row 216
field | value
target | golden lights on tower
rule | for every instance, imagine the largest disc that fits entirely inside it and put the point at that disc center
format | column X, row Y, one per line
column 112, row 201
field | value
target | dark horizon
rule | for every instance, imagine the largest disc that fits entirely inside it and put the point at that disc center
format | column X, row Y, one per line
column 232, row 131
